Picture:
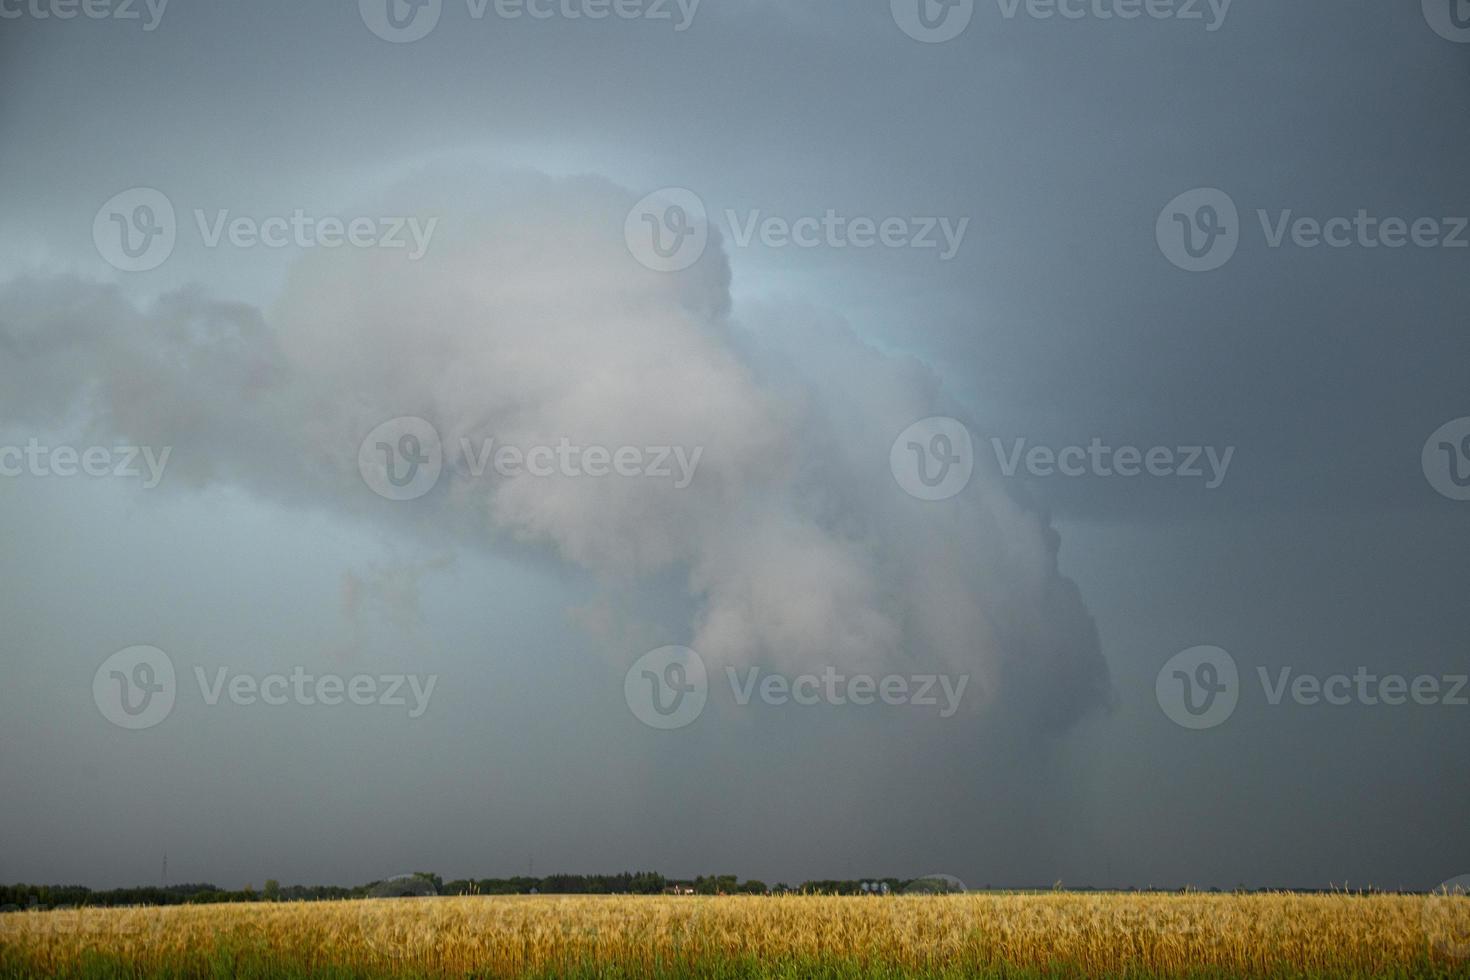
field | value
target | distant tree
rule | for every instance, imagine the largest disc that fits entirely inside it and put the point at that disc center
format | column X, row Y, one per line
column 272, row 891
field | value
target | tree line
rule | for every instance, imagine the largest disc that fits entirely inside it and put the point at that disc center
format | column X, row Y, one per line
column 25, row 896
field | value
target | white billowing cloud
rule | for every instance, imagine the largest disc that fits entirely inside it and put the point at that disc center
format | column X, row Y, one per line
column 529, row 322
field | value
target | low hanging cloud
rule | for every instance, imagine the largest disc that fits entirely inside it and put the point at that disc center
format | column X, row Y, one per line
column 528, row 322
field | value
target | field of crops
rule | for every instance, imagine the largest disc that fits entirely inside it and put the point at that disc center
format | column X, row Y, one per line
column 1050, row 934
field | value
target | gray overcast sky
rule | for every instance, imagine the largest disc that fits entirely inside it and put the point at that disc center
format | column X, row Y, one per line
column 1049, row 148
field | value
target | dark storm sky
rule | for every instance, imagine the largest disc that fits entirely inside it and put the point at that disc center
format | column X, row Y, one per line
column 1058, row 321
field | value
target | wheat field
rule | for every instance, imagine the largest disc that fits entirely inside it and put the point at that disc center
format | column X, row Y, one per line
column 990, row 934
